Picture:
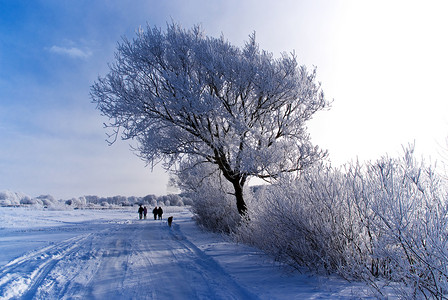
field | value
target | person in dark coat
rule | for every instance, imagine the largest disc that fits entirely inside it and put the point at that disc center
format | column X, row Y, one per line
column 160, row 212
column 140, row 212
column 145, row 212
column 155, row 211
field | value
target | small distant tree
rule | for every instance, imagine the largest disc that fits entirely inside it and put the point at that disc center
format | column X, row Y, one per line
column 183, row 95
column 149, row 199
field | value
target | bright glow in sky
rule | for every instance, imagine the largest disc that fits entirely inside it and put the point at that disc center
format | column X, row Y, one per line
column 384, row 63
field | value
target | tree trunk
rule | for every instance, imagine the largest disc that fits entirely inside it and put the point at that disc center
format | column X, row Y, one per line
column 240, row 204
column 237, row 179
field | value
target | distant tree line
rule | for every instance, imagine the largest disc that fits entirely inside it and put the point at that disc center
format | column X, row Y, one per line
column 15, row 199
column 150, row 200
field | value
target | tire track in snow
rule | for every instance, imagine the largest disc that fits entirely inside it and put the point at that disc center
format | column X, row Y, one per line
column 69, row 277
column 136, row 260
column 22, row 276
column 111, row 265
column 122, row 272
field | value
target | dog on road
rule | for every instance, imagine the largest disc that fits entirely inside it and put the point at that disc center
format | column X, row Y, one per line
column 170, row 221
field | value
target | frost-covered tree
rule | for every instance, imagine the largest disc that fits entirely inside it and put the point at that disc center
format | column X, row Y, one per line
column 182, row 94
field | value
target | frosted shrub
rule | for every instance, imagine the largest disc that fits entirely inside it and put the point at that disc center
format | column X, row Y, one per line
column 47, row 200
column 6, row 199
column 215, row 210
column 187, row 201
column 29, row 201
column 212, row 204
column 301, row 222
column 384, row 222
column 12, row 198
column 411, row 225
column 79, row 202
column 6, row 202
column 175, row 200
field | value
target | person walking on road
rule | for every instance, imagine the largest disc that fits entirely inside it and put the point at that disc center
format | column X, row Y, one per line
column 145, row 212
column 155, row 211
column 140, row 212
column 160, row 212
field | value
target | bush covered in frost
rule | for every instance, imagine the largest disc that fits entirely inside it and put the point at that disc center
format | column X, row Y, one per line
column 8, row 198
column 381, row 222
column 212, row 204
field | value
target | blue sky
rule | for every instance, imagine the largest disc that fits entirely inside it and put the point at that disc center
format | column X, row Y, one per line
column 383, row 62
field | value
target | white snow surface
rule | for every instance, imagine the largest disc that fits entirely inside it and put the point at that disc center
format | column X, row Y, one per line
column 110, row 254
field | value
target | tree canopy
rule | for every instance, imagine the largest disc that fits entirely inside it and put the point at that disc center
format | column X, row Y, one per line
column 184, row 95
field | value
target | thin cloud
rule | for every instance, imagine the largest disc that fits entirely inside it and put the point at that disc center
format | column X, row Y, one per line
column 71, row 52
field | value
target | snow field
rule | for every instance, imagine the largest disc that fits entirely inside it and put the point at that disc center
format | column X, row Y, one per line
column 110, row 254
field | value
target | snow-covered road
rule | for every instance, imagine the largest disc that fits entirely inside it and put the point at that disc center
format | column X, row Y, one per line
column 95, row 257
